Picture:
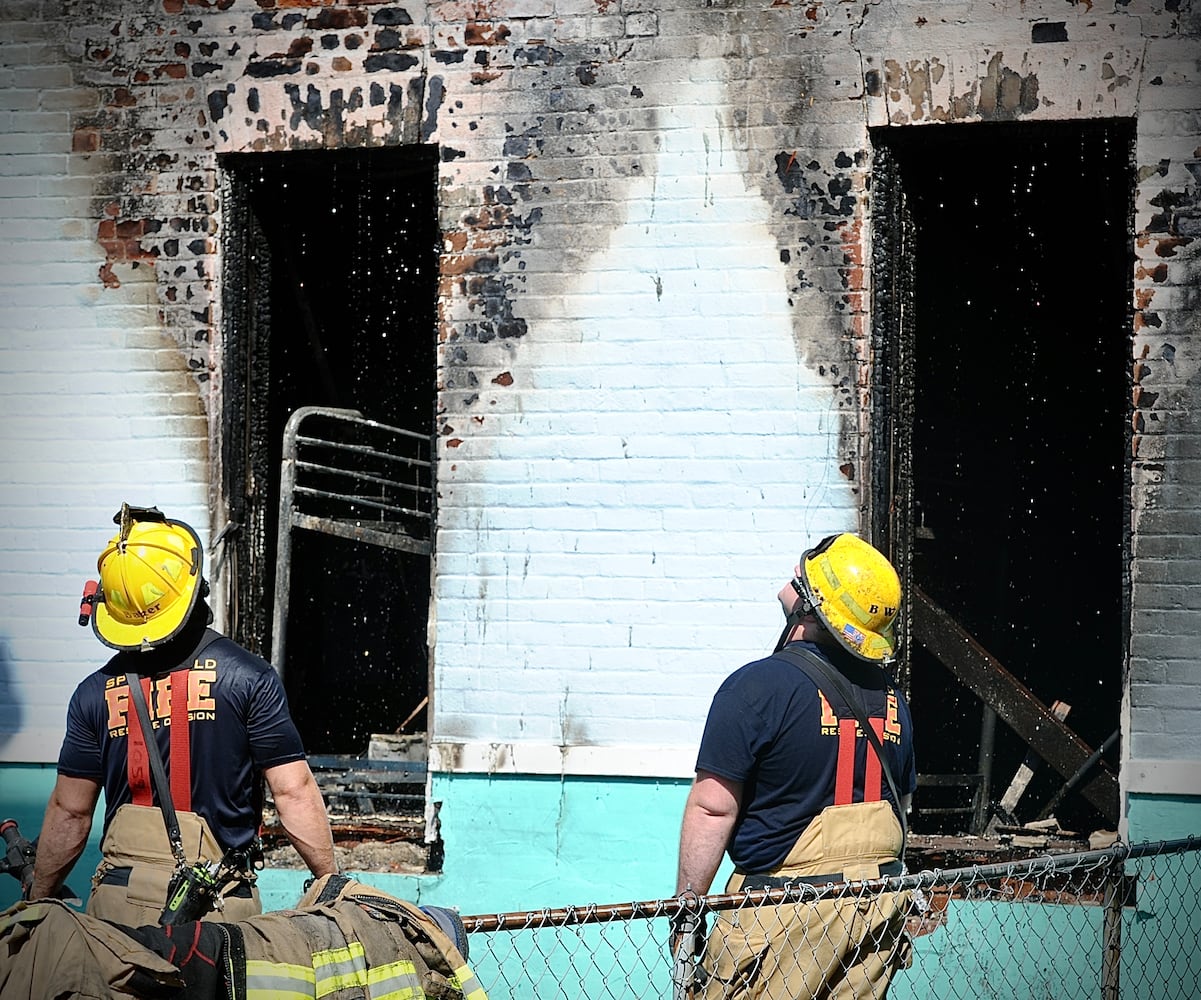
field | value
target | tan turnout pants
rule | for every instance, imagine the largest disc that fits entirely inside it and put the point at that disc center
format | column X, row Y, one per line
column 846, row 948
column 137, row 840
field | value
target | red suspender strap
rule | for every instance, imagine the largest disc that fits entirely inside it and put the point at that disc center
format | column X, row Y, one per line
column 137, row 758
column 844, row 777
column 181, row 743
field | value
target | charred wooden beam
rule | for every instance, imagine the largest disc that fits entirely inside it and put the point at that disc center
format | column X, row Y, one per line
column 1029, row 718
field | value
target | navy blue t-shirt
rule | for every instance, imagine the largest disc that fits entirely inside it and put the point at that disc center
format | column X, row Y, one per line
column 238, row 722
column 768, row 729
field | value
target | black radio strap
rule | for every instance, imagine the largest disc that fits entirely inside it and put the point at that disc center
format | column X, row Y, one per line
column 823, row 674
column 158, row 774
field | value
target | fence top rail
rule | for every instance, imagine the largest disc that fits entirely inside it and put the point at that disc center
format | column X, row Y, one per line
column 595, row 913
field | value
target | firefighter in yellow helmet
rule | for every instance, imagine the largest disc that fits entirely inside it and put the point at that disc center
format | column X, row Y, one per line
column 220, row 720
column 150, row 581
column 804, row 775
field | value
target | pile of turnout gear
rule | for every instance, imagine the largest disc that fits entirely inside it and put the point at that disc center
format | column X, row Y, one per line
column 343, row 940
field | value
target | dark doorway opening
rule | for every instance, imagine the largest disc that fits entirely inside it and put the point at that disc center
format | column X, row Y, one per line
column 1003, row 264
column 330, row 294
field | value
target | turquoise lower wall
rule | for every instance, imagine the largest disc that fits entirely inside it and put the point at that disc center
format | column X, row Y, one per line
column 1168, row 899
column 1162, row 817
column 515, row 844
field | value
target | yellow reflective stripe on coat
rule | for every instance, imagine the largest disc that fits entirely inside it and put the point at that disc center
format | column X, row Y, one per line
column 465, row 980
column 394, row 981
column 25, row 913
column 332, row 971
column 279, row 981
column 340, row 969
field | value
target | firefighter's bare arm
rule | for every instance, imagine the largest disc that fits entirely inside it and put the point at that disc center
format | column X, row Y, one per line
column 709, row 816
column 64, row 833
column 302, row 814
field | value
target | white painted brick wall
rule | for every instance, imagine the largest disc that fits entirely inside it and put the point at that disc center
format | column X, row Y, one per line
column 1164, row 698
column 613, row 534
column 96, row 405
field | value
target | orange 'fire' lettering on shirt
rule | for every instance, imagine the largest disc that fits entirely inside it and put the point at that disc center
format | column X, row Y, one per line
column 200, row 697
column 892, row 723
column 200, row 683
column 118, row 703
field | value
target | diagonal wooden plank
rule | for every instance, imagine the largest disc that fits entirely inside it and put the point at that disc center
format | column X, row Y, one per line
column 1013, row 702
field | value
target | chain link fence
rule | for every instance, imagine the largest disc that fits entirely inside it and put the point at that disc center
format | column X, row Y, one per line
column 1124, row 922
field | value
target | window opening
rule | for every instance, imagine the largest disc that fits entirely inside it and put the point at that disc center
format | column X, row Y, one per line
column 1002, row 337
column 330, row 277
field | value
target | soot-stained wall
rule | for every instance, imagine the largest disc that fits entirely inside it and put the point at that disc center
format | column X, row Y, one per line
column 653, row 309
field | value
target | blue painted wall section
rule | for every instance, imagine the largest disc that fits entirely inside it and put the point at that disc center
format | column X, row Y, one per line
column 519, row 843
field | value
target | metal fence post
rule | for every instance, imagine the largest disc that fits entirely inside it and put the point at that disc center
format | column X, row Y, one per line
column 1111, row 939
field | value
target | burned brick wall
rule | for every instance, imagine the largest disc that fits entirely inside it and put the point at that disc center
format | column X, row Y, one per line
column 541, row 117
column 552, row 121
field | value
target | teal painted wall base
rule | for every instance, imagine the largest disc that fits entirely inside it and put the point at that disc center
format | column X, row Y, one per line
column 519, row 843
column 1162, row 817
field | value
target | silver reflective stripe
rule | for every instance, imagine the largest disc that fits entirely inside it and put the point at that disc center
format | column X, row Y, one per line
column 340, row 969
column 472, row 990
column 279, row 981
column 394, row 981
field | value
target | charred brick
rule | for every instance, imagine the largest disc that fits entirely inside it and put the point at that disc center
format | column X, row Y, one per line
column 390, row 62
column 386, row 39
column 338, row 18
column 392, row 16
column 218, row 103
column 789, row 171
column 265, row 68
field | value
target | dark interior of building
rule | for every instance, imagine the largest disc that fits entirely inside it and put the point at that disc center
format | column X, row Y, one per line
column 1021, row 356
column 337, row 275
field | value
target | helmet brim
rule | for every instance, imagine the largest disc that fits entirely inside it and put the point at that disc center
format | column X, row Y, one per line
column 168, row 625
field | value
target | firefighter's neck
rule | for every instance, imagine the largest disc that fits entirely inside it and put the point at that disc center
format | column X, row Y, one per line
column 810, row 629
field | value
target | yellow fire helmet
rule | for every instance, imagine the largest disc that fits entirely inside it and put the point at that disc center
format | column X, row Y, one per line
column 855, row 592
column 150, row 579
